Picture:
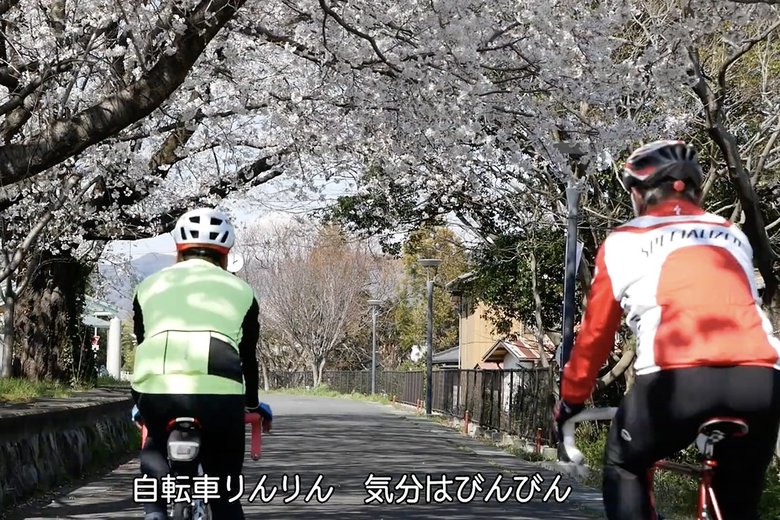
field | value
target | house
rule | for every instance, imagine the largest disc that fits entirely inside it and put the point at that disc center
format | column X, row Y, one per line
column 449, row 358
column 476, row 334
column 522, row 352
column 512, row 355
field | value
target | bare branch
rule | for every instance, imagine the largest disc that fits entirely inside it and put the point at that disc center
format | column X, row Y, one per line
column 618, row 370
column 754, row 221
column 744, row 49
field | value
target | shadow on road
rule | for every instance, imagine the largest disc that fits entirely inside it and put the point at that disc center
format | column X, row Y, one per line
column 342, row 442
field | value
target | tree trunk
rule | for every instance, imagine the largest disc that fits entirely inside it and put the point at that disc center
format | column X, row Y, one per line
column 264, row 369
column 317, row 366
column 6, row 363
column 630, row 373
column 773, row 313
column 48, row 317
column 623, row 366
column 538, row 313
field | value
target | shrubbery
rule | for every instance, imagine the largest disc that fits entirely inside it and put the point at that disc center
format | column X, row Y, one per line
column 675, row 494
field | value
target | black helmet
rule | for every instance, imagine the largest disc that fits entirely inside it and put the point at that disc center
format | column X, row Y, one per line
column 656, row 161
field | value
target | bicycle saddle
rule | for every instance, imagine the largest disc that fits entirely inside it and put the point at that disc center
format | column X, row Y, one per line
column 718, row 428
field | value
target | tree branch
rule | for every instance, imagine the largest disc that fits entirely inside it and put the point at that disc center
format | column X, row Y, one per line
column 744, row 49
column 67, row 138
column 29, row 240
column 135, row 228
column 754, row 221
column 333, row 14
column 618, row 370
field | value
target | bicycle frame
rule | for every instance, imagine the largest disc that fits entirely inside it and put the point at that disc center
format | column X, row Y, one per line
column 707, row 502
column 705, row 473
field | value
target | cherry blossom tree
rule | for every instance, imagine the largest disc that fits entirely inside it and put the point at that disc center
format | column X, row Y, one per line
column 468, row 109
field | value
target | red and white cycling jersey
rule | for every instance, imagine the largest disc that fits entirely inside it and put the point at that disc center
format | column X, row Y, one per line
column 685, row 280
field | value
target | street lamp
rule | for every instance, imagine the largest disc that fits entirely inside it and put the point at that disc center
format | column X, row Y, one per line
column 571, row 262
column 429, row 264
column 573, row 192
column 374, row 304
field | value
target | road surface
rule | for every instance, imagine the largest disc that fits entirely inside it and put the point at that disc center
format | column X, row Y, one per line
column 346, row 442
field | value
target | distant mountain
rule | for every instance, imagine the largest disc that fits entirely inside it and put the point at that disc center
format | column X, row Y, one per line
column 120, row 280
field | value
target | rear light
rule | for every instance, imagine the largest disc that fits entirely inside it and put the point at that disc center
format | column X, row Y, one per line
column 183, row 451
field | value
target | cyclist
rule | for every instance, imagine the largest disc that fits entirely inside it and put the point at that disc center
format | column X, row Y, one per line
column 197, row 330
column 704, row 346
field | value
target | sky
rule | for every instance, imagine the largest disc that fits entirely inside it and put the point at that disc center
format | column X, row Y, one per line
column 268, row 204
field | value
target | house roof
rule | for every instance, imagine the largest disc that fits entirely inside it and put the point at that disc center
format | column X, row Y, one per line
column 521, row 348
column 487, row 365
column 451, row 355
column 457, row 285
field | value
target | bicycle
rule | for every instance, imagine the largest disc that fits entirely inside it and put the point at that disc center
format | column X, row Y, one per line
column 183, row 450
column 711, row 431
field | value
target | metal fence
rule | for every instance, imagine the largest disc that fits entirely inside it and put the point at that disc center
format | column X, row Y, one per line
column 518, row 402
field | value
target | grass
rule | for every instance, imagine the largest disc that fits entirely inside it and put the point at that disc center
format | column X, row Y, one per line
column 110, row 381
column 19, row 390
column 24, row 390
column 326, row 391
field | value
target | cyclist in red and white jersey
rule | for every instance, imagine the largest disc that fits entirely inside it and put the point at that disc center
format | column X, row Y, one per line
column 705, row 348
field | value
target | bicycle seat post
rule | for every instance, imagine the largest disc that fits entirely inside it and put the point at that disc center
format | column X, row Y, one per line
column 715, row 430
column 709, row 449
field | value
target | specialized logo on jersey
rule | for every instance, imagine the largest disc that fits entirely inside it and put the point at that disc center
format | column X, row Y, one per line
column 676, row 234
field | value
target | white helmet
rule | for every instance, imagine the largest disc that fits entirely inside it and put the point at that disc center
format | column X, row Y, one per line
column 205, row 227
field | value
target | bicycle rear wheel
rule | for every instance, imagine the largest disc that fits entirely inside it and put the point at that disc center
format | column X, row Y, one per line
column 201, row 511
column 182, row 511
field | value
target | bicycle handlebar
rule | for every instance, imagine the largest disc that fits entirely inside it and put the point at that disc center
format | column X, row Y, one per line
column 567, row 429
column 255, row 419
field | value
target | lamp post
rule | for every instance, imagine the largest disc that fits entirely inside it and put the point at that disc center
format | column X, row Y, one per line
column 575, row 152
column 374, row 304
column 571, row 261
column 569, row 302
column 430, row 264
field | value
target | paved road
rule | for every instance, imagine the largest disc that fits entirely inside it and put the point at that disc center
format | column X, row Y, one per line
column 345, row 441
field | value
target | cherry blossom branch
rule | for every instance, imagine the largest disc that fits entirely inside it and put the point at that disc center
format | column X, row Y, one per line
column 333, row 14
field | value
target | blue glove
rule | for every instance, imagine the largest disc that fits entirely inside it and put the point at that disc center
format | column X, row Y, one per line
column 264, row 410
column 135, row 415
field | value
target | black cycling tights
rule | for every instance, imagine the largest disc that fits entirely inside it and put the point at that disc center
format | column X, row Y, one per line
column 661, row 415
column 222, row 443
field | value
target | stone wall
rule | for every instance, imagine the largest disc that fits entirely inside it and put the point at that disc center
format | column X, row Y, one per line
column 43, row 449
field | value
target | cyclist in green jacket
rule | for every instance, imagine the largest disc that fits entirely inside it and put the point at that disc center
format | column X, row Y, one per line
column 197, row 330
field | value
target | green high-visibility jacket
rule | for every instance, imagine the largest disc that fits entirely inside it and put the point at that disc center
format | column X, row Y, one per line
column 197, row 330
